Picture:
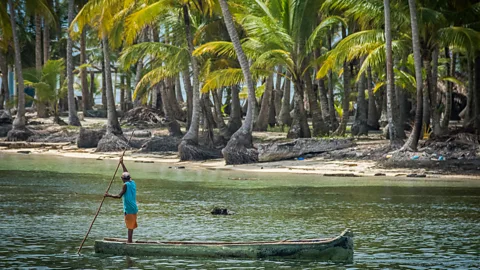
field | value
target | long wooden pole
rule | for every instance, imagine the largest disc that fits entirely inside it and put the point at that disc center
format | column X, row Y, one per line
column 103, row 199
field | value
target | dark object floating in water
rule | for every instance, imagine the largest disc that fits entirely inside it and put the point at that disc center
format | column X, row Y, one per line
column 340, row 175
column 416, row 175
column 178, row 167
column 220, row 211
column 380, row 174
column 337, row 249
column 24, row 152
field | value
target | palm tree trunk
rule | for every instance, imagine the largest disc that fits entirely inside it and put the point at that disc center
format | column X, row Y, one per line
column 477, row 95
column 83, row 73
column 92, row 88
column 262, row 120
column 72, row 112
column 436, row 128
column 19, row 131
column 41, row 107
column 299, row 128
column 4, row 94
column 235, row 121
column 189, row 93
column 345, row 101
column 319, row 127
column 104, row 85
column 285, row 118
column 113, row 126
column 187, row 149
column 331, row 100
column 448, row 96
column 412, row 142
column 46, row 41
column 372, row 119
column 467, row 121
column 391, row 104
column 360, row 126
column 278, row 93
column 427, row 63
column 173, row 126
column 239, row 149
column 178, row 113
column 178, row 89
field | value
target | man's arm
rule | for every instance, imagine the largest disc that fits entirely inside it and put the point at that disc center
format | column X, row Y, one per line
column 123, row 165
column 124, row 189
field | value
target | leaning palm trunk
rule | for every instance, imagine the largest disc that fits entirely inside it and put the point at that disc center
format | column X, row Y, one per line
column 239, row 149
column 72, row 111
column 412, row 142
column 188, row 147
column 19, row 131
column 262, row 120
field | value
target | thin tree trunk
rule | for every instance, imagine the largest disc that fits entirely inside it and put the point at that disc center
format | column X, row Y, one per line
column 372, row 119
column 41, row 107
column 323, row 97
column 346, row 94
column 178, row 113
column 4, row 91
column 239, row 148
column 331, row 100
column 128, row 93
column 83, row 73
column 113, row 126
column 391, row 100
column 92, row 88
column 448, row 96
column 427, row 63
column 285, row 118
column 412, row 142
column 19, row 131
column 467, row 121
column 278, row 93
column 122, row 93
column 435, row 102
column 262, row 120
column 360, row 126
column 189, row 93
column 104, row 85
column 72, row 112
column 46, row 41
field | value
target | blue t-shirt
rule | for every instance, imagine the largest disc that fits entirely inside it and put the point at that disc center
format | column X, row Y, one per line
column 130, row 198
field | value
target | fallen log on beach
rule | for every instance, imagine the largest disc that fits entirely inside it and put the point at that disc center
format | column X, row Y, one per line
column 299, row 147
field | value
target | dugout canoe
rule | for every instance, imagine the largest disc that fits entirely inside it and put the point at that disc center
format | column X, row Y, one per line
column 337, row 249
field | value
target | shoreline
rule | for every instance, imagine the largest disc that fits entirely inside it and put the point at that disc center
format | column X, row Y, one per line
column 308, row 166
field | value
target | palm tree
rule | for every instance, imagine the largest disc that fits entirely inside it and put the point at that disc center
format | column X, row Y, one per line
column 19, row 130
column 72, row 112
column 412, row 142
column 239, row 149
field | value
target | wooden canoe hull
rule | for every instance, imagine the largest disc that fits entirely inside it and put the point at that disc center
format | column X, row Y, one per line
column 338, row 249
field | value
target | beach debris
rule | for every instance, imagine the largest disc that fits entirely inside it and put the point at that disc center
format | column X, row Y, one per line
column 379, row 174
column 220, row 211
column 24, row 152
column 414, row 175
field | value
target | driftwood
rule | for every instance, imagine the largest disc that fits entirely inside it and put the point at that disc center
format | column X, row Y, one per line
column 299, row 147
column 23, row 144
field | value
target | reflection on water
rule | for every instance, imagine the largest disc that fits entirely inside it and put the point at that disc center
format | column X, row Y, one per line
column 46, row 206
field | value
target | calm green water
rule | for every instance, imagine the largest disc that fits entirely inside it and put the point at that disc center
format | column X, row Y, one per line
column 47, row 204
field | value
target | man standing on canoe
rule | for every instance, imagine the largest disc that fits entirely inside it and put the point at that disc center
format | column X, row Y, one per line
column 128, row 195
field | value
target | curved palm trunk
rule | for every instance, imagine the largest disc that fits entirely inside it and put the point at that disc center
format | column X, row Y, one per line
column 187, row 149
column 262, row 120
column 113, row 126
column 72, row 111
column 239, row 149
column 412, row 142
column 19, row 131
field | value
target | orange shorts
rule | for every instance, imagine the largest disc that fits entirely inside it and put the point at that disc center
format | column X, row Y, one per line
column 131, row 221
